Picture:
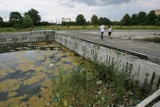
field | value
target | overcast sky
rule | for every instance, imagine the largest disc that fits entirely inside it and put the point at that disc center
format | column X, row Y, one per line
column 54, row 10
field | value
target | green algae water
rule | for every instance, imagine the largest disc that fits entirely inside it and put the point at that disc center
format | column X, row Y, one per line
column 26, row 69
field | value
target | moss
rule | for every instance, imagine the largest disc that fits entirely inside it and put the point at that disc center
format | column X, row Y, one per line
column 12, row 94
column 24, row 67
column 12, row 102
column 36, row 102
column 5, row 71
column 9, row 85
column 39, row 68
column 33, row 79
column 23, row 104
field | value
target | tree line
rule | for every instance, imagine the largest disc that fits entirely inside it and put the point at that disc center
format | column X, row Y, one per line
column 80, row 20
column 32, row 18
column 142, row 18
column 29, row 19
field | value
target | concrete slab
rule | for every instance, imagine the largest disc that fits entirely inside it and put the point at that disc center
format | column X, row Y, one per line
column 149, row 50
column 157, row 104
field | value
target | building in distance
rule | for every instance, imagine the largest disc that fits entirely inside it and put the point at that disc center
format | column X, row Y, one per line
column 157, row 12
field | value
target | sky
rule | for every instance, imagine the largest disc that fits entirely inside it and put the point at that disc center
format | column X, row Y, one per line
column 54, row 10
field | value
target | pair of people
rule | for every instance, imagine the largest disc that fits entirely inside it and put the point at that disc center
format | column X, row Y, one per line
column 109, row 31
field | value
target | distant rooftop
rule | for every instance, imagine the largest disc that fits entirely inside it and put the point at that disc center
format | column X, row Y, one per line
column 157, row 11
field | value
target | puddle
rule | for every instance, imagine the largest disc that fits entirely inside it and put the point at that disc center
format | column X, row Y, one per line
column 3, row 96
column 17, row 75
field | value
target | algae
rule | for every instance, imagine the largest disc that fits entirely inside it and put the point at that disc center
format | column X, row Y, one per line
column 34, row 78
column 12, row 94
column 9, row 85
column 35, row 66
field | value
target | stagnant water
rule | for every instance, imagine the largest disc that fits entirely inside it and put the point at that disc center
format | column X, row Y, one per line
column 25, row 68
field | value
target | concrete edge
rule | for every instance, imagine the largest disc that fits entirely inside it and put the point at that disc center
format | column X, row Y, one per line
column 153, row 59
column 149, row 99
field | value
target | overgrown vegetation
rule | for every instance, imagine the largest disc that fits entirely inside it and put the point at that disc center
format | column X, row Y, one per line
column 27, row 21
column 96, row 86
column 89, row 27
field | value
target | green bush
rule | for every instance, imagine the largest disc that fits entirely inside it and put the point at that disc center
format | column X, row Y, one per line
column 27, row 21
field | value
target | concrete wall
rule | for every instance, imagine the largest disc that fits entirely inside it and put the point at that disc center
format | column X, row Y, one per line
column 141, row 70
column 25, row 39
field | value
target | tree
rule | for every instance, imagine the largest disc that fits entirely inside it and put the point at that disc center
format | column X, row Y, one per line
column 80, row 20
column 68, row 23
column 104, row 20
column 151, row 18
column 1, row 22
column 94, row 20
column 158, row 20
column 141, row 18
column 15, row 18
column 27, row 21
column 126, row 20
column 1, row 19
column 116, row 23
column 134, row 19
column 34, row 14
column 44, row 23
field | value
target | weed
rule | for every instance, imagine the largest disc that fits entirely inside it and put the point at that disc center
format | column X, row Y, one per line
column 107, row 86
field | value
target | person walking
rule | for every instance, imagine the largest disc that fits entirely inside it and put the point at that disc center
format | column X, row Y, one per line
column 102, row 30
column 109, row 32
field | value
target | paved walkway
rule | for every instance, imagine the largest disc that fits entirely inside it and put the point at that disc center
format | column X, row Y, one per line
column 149, row 49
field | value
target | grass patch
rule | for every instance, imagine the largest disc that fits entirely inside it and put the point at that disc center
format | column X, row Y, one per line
column 95, row 87
column 86, row 27
column 11, row 29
